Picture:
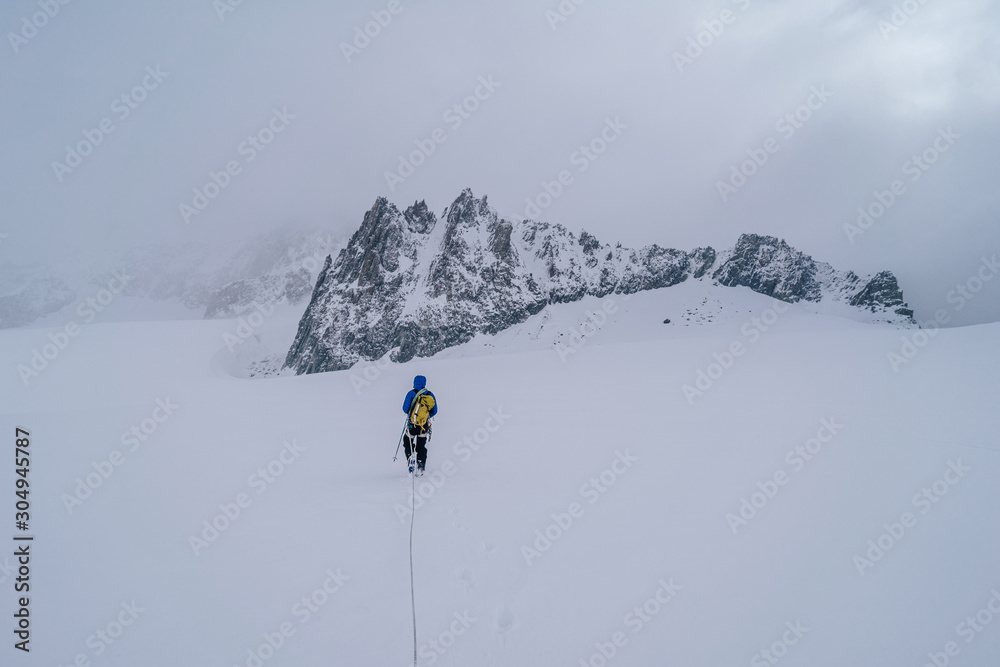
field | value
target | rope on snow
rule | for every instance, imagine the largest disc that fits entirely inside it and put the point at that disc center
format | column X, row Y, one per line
column 413, row 513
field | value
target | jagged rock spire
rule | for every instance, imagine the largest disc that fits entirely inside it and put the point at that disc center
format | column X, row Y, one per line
column 410, row 285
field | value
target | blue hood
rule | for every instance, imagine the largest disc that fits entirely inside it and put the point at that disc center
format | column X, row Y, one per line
column 419, row 382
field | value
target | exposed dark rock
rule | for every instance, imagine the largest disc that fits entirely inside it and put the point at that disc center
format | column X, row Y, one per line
column 882, row 291
column 702, row 261
column 410, row 285
column 770, row 266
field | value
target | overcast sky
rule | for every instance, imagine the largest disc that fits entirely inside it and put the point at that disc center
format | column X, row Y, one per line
column 547, row 85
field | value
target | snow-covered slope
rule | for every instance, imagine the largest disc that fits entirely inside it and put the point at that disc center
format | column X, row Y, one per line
column 574, row 504
column 411, row 284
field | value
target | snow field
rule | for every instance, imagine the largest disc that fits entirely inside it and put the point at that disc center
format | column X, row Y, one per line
column 595, row 465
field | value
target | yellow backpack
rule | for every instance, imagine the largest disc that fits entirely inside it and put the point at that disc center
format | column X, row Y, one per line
column 420, row 408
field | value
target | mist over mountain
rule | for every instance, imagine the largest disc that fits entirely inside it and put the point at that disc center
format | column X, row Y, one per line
column 191, row 279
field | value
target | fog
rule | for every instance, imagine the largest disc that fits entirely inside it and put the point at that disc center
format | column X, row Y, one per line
column 682, row 124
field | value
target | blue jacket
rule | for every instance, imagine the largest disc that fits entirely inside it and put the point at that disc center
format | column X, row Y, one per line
column 409, row 399
column 419, row 383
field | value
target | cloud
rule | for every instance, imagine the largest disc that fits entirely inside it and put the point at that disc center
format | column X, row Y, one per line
column 657, row 184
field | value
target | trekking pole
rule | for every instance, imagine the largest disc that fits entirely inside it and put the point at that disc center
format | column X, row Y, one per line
column 396, row 455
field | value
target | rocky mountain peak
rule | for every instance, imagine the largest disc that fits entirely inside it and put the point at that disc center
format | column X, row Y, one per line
column 468, row 211
column 881, row 292
column 374, row 250
column 770, row 266
column 398, row 289
column 419, row 218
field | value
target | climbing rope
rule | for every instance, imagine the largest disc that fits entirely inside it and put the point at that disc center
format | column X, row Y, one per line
column 413, row 513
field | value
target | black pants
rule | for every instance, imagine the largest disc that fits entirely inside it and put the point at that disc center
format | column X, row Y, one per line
column 418, row 437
